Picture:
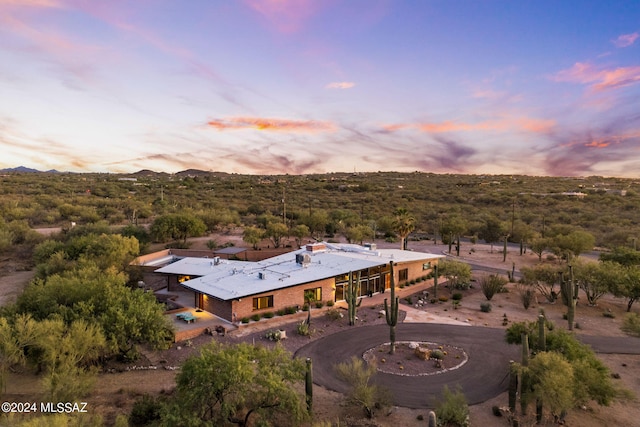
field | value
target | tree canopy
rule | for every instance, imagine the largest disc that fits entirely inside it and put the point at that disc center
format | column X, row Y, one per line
column 238, row 384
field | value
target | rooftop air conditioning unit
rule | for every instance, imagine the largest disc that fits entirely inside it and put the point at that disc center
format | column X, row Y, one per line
column 303, row 259
column 371, row 246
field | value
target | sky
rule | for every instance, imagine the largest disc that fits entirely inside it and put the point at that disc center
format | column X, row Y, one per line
column 544, row 87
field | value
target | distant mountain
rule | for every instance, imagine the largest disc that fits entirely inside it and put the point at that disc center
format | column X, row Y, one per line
column 24, row 169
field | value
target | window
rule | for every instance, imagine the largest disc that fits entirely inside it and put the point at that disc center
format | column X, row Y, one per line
column 403, row 275
column 426, row 265
column 263, row 302
column 313, row 295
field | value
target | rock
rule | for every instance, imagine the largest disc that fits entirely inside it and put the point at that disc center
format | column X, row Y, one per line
column 422, row 353
column 413, row 345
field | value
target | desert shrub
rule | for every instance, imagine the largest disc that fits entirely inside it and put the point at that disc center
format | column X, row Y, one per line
column 245, row 320
column 330, row 303
column 305, row 307
column 453, row 410
column 273, row 335
column 609, row 314
column 491, row 285
column 291, row 310
column 303, row 329
column 457, row 296
column 334, row 314
column 443, row 299
column 485, row 307
column 409, row 300
column 145, row 411
column 268, row 315
column 281, row 312
column 363, row 392
column 527, row 295
column 631, row 324
column 319, row 304
column 255, row 317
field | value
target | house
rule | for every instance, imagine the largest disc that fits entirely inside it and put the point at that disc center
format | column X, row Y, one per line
column 234, row 289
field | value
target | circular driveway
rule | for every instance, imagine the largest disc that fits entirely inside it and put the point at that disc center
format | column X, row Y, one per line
column 484, row 376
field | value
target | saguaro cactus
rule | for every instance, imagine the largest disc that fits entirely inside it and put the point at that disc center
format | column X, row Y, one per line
column 542, row 339
column 513, row 392
column 435, row 281
column 570, row 291
column 352, row 292
column 308, row 385
column 433, row 421
column 524, row 383
column 391, row 312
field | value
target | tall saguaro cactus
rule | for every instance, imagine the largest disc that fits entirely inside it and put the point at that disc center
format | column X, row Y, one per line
column 524, row 383
column 352, row 292
column 435, row 281
column 391, row 312
column 308, row 385
column 570, row 290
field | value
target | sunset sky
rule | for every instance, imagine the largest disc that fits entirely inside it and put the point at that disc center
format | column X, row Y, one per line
column 312, row 86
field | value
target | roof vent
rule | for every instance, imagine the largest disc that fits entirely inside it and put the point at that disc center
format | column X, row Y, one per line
column 370, row 246
column 262, row 275
column 303, row 259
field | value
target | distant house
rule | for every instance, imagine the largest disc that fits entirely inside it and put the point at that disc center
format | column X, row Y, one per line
column 236, row 289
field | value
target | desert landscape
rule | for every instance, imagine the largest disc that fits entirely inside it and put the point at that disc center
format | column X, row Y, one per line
column 155, row 373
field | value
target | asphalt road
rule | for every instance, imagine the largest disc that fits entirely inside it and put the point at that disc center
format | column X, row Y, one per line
column 484, row 376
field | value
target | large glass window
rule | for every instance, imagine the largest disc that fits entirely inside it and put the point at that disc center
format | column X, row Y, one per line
column 403, row 275
column 314, row 294
column 263, row 302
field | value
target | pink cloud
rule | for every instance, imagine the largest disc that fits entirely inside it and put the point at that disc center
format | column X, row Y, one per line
column 501, row 125
column 270, row 124
column 626, row 40
column 599, row 79
column 286, row 16
column 340, row 85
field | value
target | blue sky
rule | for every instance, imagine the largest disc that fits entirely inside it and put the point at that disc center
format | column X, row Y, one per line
column 306, row 86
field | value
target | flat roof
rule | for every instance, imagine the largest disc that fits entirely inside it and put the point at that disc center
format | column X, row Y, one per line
column 229, row 279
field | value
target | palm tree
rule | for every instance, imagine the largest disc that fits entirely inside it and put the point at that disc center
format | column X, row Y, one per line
column 403, row 224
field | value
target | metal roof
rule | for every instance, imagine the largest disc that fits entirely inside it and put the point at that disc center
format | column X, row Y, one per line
column 228, row 280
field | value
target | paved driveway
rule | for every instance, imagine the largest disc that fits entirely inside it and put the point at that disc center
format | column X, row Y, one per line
column 483, row 376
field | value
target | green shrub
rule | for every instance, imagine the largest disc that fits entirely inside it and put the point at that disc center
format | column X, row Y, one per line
column 319, row 304
column 631, row 324
column 303, row 329
column 491, row 285
column 291, row 310
column 145, row 411
column 305, row 307
column 255, row 317
column 281, row 312
column 609, row 314
column 274, row 335
column 334, row 314
column 409, row 300
column 268, row 315
column 453, row 409
column 245, row 320
column 330, row 303
column 485, row 307
column 457, row 296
